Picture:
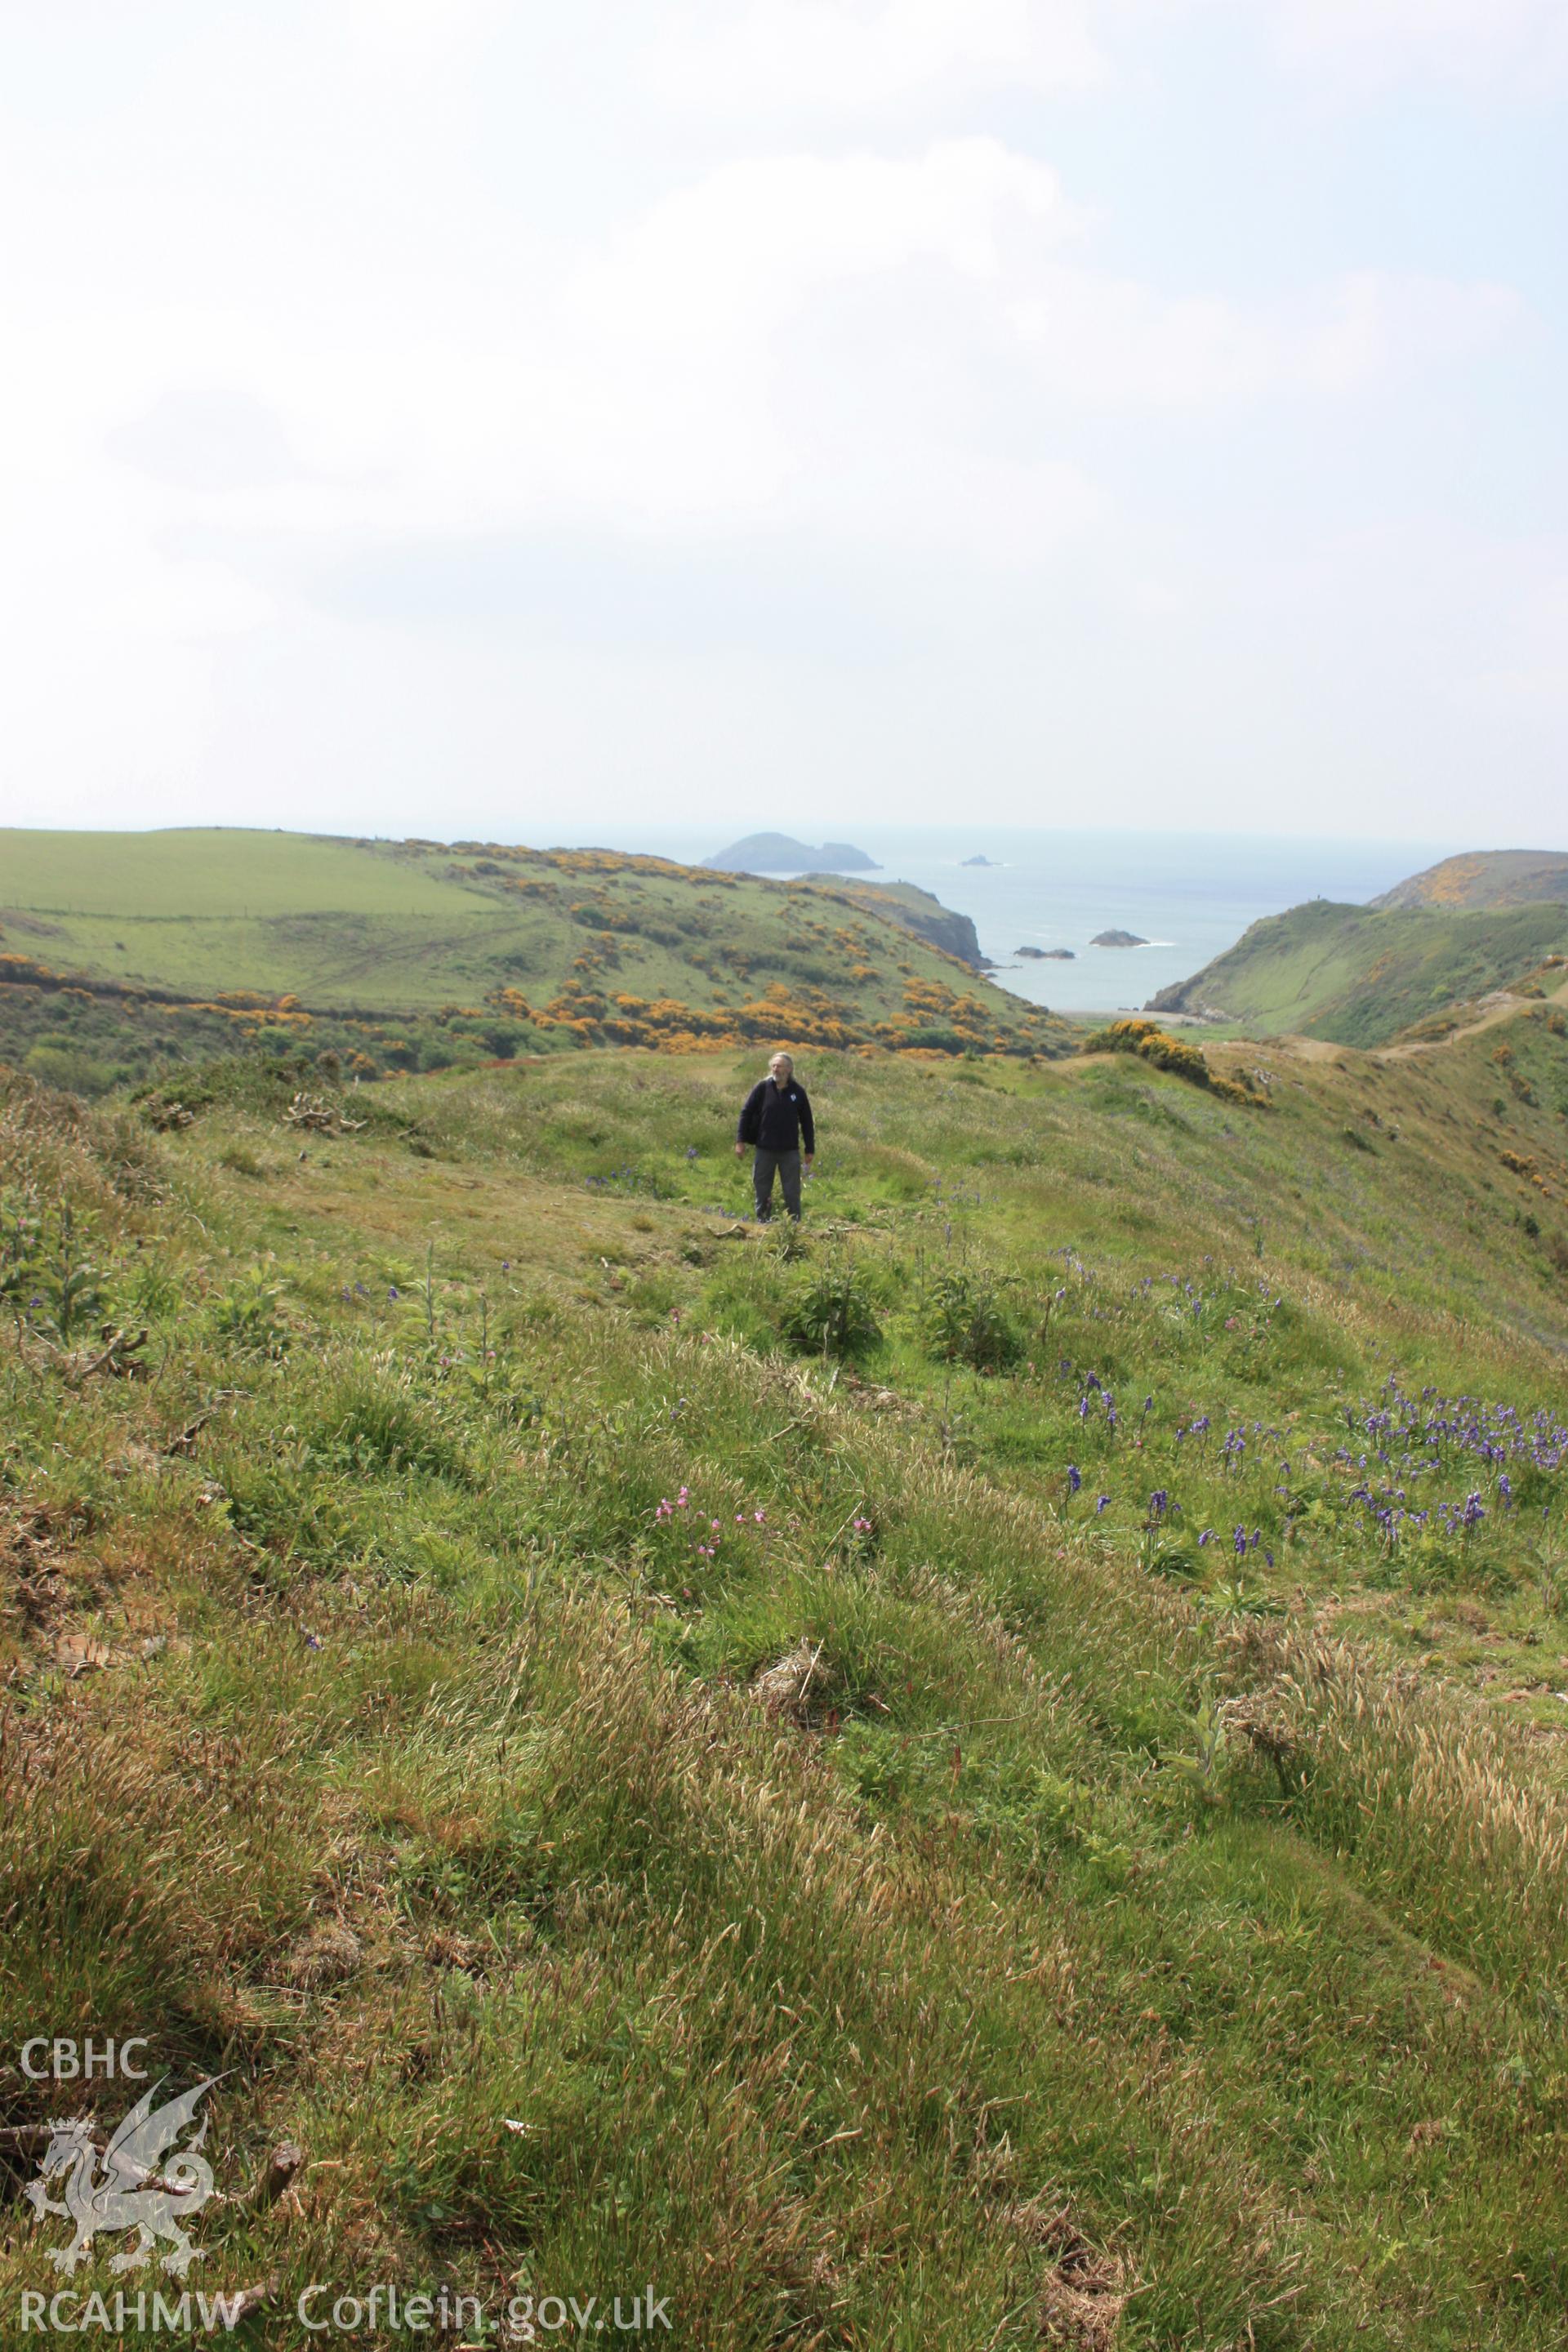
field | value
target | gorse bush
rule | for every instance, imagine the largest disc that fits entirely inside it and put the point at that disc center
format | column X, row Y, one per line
column 1151, row 1043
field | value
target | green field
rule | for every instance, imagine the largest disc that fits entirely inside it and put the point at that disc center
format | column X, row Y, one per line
column 1358, row 976
column 643, row 1748
column 416, row 955
column 216, row 872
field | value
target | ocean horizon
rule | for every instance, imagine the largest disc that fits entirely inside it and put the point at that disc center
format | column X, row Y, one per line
column 1187, row 895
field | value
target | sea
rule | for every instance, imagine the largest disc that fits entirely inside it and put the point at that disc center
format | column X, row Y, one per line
column 1188, row 895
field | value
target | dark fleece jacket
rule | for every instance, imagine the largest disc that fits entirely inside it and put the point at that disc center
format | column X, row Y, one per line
column 777, row 1118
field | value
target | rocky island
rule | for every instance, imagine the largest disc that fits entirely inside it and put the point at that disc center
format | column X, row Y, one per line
column 779, row 853
column 1047, row 955
column 1117, row 939
column 981, row 860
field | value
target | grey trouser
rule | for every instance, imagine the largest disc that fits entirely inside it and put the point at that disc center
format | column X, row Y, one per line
column 787, row 1163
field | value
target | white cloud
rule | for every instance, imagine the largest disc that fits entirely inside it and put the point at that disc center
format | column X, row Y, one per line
column 704, row 341
column 834, row 58
column 319, row 303
column 1512, row 41
column 873, row 357
column 1103, row 343
column 783, row 324
column 749, row 236
column 886, row 351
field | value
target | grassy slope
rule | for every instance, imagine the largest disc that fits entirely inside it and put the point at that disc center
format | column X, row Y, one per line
column 1358, row 976
column 1008, row 1963
column 1487, row 878
column 217, row 872
column 534, row 943
column 907, row 903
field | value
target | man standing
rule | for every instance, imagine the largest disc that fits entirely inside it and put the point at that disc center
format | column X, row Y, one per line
column 776, row 1119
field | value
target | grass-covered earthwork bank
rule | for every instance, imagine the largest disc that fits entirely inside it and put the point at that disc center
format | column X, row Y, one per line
column 989, row 1772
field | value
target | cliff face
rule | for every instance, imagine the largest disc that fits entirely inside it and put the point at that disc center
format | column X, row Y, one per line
column 915, row 911
column 943, row 928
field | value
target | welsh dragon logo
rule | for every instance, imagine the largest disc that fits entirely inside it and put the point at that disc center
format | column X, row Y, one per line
column 136, row 2183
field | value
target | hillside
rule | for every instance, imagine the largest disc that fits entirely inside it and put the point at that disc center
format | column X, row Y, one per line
column 1484, row 878
column 1361, row 975
column 992, row 1772
column 123, row 950
column 914, row 910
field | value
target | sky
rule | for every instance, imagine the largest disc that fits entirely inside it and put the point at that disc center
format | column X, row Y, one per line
column 486, row 418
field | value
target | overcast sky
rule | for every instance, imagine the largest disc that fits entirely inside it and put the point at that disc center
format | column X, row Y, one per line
column 487, row 416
